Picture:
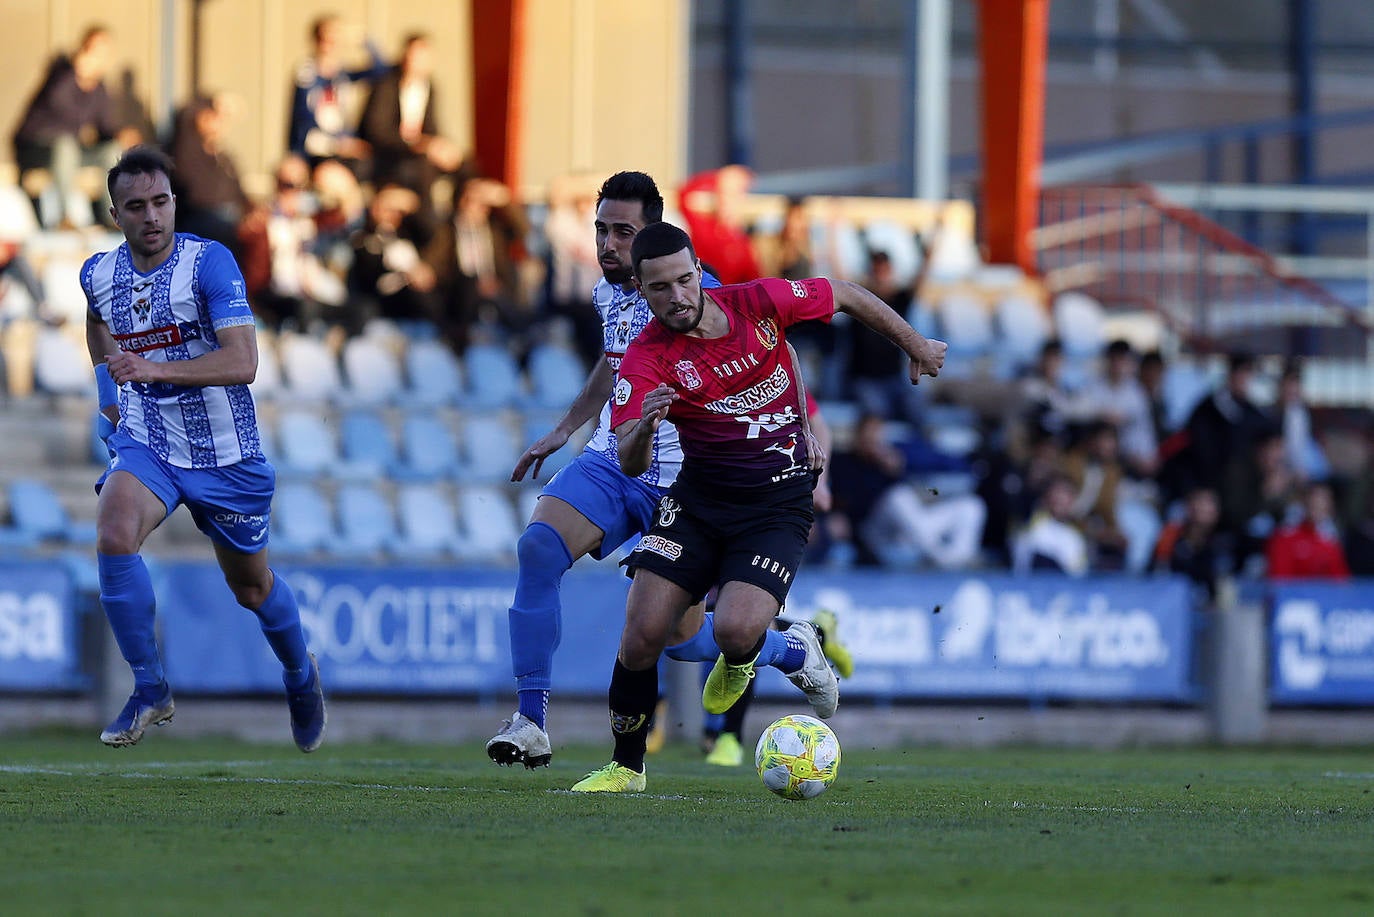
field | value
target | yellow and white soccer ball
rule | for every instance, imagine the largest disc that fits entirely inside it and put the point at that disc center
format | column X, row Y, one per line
column 798, row 757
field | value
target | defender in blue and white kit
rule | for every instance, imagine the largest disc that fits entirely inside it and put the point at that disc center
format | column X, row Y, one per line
column 172, row 338
column 591, row 506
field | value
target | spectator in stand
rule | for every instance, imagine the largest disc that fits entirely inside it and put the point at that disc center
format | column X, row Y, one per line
column 1261, row 495
column 876, row 373
column 475, row 256
column 1311, row 547
column 72, row 122
column 210, row 197
column 1195, row 546
column 399, row 123
column 17, row 273
column 1151, row 376
column 1052, row 541
column 885, row 518
column 573, row 265
column 287, row 281
column 710, row 203
column 388, row 277
column 1121, row 527
column 326, row 99
column 1119, row 398
column 787, row 253
column 1221, row 434
column 340, row 211
column 1304, row 453
column 1359, row 532
column 1048, row 403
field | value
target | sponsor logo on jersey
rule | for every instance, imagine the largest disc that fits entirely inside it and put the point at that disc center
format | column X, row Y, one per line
column 767, row 330
column 798, row 289
column 668, row 508
column 769, row 565
column 735, row 367
column 657, row 544
column 768, row 422
column 756, row 396
column 152, row 339
column 241, row 519
column 687, row 374
column 622, row 392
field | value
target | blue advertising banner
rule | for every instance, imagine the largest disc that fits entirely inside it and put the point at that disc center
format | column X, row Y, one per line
column 1322, row 643
column 39, row 649
column 960, row 636
column 932, row 636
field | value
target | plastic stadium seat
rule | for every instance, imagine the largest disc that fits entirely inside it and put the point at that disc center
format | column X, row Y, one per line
column 847, row 244
column 37, row 513
column 556, row 374
column 436, row 377
column 368, row 446
column 493, row 378
column 429, row 449
column 367, row 522
column 489, row 524
column 305, row 444
column 428, row 522
column 535, row 426
column 61, row 278
column 310, row 370
column 1080, row 323
column 966, row 324
column 488, row 447
column 301, row 519
column 267, row 384
column 1023, row 326
column 900, row 244
column 1184, row 385
column 372, row 371
column 61, row 364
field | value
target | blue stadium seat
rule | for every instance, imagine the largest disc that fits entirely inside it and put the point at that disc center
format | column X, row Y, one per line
column 310, row 370
column 36, row 509
column 367, row 522
column 429, row 449
column 61, row 364
column 966, row 324
column 428, row 522
column 267, row 384
column 372, row 371
column 493, row 378
column 1080, row 323
column 305, row 445
column 488, row 447
column 435, row 375
column 302, row 521
column 556, row 374
column 490, row 526
column 900, row 244
column 1023, row 327
column 369, row 448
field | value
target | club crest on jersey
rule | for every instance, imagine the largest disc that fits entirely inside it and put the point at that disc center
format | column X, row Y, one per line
column 767, row 330
column 687, row 374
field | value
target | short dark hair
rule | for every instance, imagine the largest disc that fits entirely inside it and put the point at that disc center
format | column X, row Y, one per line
column 633, row 186
column 658, row 240
column 1119, row 348
column 1239, row 362
column 139, row 160
column 321, row 23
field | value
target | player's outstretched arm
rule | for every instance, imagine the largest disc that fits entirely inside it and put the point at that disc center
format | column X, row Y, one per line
column 927, row 354
column 584, row 407
column 235, row 362
column 635, row 438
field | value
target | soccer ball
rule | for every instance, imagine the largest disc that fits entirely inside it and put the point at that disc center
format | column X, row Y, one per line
column 798, row 757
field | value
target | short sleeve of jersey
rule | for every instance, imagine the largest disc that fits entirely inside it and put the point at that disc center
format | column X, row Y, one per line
column 800, row 300
column 637, row 379
column 88, row 285
column 219, row 285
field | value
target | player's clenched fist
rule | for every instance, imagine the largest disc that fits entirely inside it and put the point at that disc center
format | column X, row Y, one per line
column 656, row 404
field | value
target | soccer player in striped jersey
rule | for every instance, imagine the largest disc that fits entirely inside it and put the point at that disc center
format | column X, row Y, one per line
column 173, row 343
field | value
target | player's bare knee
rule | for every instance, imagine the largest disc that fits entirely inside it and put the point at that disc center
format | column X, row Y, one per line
column 639, row 650
column 117, row 538
column 251, row 595
column 735, row 638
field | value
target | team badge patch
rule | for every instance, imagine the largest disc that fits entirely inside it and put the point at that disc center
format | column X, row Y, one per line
column 767, row 330
column 687, row 374
column 622, row 392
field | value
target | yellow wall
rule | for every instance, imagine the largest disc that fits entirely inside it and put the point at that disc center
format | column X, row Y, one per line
column 604, row 86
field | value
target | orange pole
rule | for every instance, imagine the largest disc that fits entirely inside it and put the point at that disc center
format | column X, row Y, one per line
column 498, row 48
column 1012, row 38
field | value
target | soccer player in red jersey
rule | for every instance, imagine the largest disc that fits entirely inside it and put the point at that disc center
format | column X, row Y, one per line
column 716, row 363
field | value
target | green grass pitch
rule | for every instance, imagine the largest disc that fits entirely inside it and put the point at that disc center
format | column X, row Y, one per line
column 220, row 827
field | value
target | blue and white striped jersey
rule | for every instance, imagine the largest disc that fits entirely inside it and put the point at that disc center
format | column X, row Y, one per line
column 173, row 313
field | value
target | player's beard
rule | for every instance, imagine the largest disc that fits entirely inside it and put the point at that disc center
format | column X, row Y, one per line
column 621, row 275
column 688, row 325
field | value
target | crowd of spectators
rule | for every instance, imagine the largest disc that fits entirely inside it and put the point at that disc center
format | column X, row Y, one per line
column 374, row 213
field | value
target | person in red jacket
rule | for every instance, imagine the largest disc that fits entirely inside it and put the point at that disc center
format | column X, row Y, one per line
column 710, row 204
column 1310, row 548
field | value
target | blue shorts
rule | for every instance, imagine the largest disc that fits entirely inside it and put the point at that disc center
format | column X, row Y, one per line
column 620, row 506
column 232, row 504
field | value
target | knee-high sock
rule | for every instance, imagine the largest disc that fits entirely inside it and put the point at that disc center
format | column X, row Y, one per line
column 702, row 647
column 126, row 594
column 734, row 717
column 280, row 619
column 536, row 617
column 632, row 698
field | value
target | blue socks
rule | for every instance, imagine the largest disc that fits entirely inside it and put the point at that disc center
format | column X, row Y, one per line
column 280, row 619
column 126, row 594
column 777, row 650
column 536, row 617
